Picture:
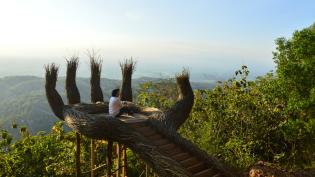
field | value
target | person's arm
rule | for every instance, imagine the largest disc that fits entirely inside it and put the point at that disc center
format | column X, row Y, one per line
column 124, row 103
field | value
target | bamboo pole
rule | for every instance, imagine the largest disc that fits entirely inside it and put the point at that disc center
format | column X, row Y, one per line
column 118, row 159
column 146, row 171
column 109, row 158
column 124, row 161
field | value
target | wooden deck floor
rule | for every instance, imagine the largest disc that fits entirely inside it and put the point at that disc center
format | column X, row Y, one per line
column 134, row 118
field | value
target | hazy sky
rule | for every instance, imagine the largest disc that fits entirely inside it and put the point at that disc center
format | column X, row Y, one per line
column 208, row 37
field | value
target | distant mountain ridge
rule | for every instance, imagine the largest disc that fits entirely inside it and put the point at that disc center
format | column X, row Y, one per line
column 23, row 100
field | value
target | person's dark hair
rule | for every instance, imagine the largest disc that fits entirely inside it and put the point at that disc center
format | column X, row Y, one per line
column 115, row 92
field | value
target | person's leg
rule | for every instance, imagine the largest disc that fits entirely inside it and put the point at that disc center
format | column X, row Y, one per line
column 122, row 111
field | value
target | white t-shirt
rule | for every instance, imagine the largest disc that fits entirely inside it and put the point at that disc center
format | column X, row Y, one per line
column 114, row 106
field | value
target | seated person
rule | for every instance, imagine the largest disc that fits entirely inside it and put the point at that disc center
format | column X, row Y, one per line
column 117, row 107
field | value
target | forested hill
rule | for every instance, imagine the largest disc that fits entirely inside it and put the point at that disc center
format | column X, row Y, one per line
column 22, row 99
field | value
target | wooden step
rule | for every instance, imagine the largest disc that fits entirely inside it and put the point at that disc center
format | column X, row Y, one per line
column 154, row 137
column 196, row 167
column 137, row 125
column 181, row 156
column 146, row 131
column 189, row 162
column 150, row 133
column 205, row 173
column 168, row 146
column 174, row 151
column 160, row 142
column 170, row 149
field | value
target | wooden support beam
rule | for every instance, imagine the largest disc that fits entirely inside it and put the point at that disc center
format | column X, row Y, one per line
column 146, row 171
column 124, row 161
column 109, row 158
column 118, row 159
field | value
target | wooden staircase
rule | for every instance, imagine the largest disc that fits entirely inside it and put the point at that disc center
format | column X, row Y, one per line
column 195, row 166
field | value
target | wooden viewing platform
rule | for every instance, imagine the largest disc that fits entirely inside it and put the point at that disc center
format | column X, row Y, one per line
column 150, row 132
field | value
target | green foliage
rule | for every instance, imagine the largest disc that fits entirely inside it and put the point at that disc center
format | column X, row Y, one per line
column 295, row 59
column 250, row 123
column 40, row 155
column 6, row 139
column 136, row 166
column 45, row 155
column 157, row 94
